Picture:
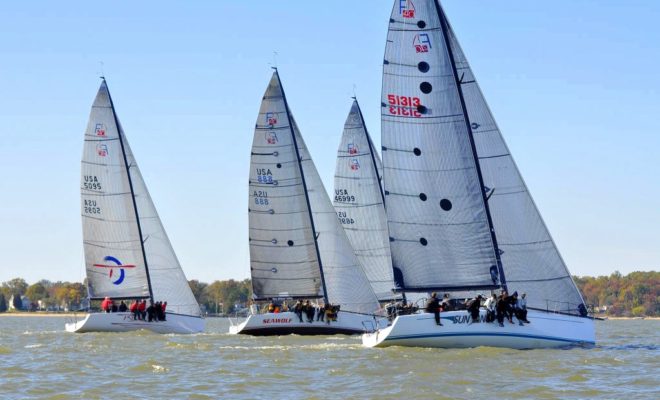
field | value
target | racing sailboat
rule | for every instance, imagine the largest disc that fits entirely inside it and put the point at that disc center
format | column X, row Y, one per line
column 359, row 202
column 128, row 255
column 460, row 217
column 298, row 248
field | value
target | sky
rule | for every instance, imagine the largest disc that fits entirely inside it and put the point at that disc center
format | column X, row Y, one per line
column 574, row 86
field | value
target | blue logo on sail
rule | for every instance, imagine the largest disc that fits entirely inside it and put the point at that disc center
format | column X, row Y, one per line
column 112, row 265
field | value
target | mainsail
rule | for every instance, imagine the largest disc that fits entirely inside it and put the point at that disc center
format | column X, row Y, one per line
column 438, row 220
column 297, row 246
column 127, row 252
column 531, row 260
column 359, row 202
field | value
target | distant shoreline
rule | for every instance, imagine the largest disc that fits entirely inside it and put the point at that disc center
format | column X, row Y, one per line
column 42, row 314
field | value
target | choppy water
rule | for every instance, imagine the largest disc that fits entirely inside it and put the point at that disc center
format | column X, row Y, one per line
column 39, row 360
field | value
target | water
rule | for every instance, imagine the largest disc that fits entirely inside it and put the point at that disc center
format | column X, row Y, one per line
column 39, row 360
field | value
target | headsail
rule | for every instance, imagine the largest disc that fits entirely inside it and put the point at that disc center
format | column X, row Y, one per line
column 438, row 222
column 358, row 200
column 123, row 235
column 284, row 260
column 346, row 281
column 531, row 260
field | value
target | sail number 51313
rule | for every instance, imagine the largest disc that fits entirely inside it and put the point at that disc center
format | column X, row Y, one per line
column 405, row 106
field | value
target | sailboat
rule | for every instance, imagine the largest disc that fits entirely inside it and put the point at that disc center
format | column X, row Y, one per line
column 128, row 255
column 298, row 248
column 460, row 217
column 360, row 203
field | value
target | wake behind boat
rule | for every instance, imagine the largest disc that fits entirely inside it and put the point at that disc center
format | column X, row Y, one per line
column 298, row 249
column 128, row 255
column 460, row 217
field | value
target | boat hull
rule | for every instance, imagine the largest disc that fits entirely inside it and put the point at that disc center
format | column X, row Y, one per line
column 287, row 323
column 124, row 322
column 546, row 330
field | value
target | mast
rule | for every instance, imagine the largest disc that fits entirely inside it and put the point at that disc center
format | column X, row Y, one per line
column 445, row 34
column 304, row 183
column 130, row 184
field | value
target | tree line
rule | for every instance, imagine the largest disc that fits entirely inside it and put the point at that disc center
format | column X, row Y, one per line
column 634, row 295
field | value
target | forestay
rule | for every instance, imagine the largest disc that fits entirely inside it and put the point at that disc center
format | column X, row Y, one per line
column 358, row 200
column 440, row 235
column 530, row 258
column 283, row 256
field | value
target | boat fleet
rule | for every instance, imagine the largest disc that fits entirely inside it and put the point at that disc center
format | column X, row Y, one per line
column 444, row 210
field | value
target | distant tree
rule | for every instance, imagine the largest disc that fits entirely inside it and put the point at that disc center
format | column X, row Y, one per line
column 16, row 285
column 197, row 288
column 36, row 292
column 3, row 303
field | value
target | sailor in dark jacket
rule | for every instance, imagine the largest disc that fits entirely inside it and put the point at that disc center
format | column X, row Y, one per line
column 473, row 308
column 433, row 306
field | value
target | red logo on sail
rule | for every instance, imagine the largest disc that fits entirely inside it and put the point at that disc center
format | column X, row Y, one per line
column 271, row 118
column 352, row 149
column 422, row 43
column 407, row 8
column 101, row 150
column 271, row 138
column 355, row 164
column 99, row 130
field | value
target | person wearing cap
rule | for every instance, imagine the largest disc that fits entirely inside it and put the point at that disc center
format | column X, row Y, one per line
column 433, row 306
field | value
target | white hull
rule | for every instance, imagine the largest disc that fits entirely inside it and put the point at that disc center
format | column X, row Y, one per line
column 546, row 330
column 287, row 323
column 124, row 322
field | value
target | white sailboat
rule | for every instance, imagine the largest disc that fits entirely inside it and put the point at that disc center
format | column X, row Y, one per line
column 298, row 249
column 128, row 255
column 360, row 203
column 460, row 216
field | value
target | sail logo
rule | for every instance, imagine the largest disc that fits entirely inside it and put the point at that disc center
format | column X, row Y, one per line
column 271, row 138
column 355, row 164
column 112, row 264
column 101, row 150
column 407, row 8
column 352, row 149
column 271, row 118
column 422, row 43
column 99, row 130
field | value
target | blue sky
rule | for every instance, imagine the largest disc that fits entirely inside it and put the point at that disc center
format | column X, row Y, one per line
column 573, row 84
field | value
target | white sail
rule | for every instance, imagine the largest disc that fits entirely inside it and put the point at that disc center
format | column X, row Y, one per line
column 168, row 282
column 345, row 279
column 358, row 200
column 530, row 259
column 113, row 253
column 440, row 234
column 123, row 235
column 283, row 257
